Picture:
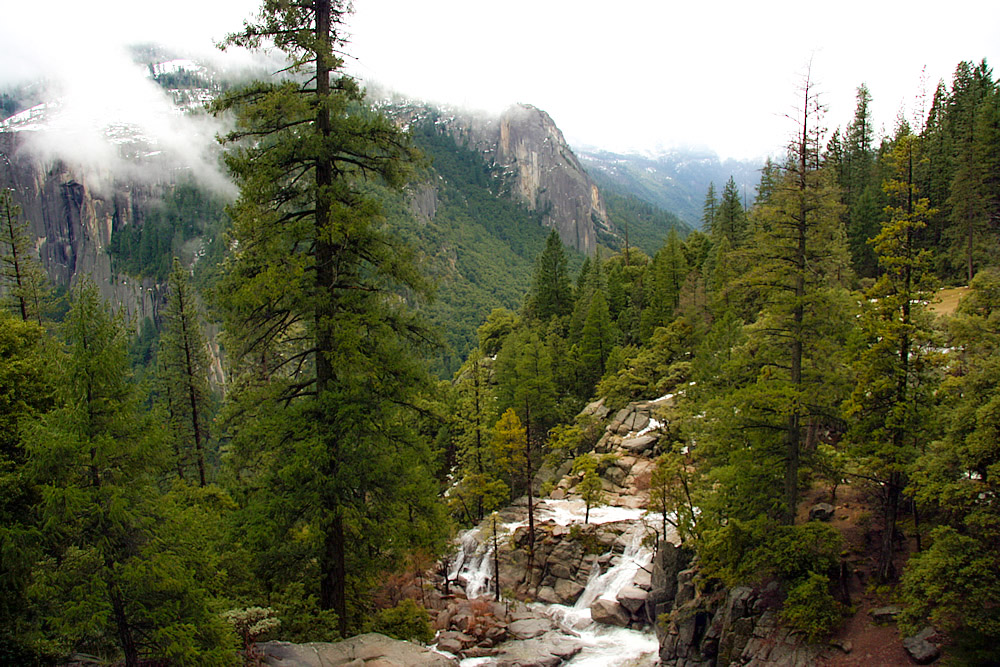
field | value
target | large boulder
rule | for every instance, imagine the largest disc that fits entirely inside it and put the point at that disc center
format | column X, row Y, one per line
column 549, row 650
column 821, row 512
column 567, row 591
column 639, row 444
column 921, row 649
column 371, row 648
column 633, row 599
column 609, row 612
column 529, row 628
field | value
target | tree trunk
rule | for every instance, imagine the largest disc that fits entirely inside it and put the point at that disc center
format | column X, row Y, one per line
column 333, row 565
column 886, row 568
column 189, row 372
column 125, row 636
column 531, row 509
column 332, row 591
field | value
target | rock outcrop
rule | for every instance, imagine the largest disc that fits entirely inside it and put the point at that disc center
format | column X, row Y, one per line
column 737, row 626
column 371, row 649
column 538, row 168
column 72, row 219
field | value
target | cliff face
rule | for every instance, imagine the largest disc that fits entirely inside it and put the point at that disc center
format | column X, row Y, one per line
column 72, row 219
column 540, row 170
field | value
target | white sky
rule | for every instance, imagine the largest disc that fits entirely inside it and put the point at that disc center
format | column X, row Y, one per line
column 635, row 74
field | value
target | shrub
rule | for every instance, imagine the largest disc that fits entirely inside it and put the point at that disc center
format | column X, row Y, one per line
column 407, row 620
column 811, row 609
column 752, row 552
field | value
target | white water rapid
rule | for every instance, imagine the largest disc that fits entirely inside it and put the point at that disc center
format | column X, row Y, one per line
column 601, row 645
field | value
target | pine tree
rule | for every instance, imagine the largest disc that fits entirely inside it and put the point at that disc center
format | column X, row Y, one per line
column 888, row 407
column 798, row 257
column 969, row 197
column 322, row 338
column 709, row 209
column 526, row 385
column 589, row 487
column 596, row 341
column 27, row 376
column 860, row 193
column 730, row 219
column 551, row 294
column 479, row 493
column 183, row 369
column 667, row 273
column 116, row 575
column 23, row 278
column 952, row 583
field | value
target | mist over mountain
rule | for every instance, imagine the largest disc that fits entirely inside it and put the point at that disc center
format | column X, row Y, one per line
column 675, row 180
column 117, row 181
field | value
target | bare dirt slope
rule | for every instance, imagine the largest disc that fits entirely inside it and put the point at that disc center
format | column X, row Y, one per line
column 863, row 641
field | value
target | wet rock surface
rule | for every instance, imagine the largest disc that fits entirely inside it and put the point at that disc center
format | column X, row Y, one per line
column 372, row 649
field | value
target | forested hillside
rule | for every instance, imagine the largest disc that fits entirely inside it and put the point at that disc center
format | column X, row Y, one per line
column 791, row 351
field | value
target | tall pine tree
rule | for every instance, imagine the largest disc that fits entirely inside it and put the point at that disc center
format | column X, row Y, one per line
column 317, row 322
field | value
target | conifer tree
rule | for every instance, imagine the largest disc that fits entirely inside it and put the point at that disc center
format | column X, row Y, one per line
column 551, row 294
column 969, row 198
column 322, row 338
column 183, row 370
column 730, row 219
column 596, row 341
column 23, row 278
column 667, row 273
column 952, row 582
column 798, row 253
column 887, row 409
column 116, row 576
column 478, row 491
column 525, row 384
column 28, row 381
column 860, row 193
column 709, row 209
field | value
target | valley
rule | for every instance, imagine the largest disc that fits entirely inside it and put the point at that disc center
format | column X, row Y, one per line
column 294, row 375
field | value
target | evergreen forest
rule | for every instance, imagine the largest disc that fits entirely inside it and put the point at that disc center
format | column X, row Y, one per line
column 390, row 379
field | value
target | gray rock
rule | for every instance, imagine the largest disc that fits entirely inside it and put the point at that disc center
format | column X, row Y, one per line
column 549, row 650
column 643, row 580
column 366, row 648
column 920, row 647
column 886, row 614
column 640, row 444
column 639, row 421
column 547, row 594
column 568, row 591
column 597, row 409
column 529, row 628
column 609, row 612
column 632, row 598
column 615, row 475
column 821, row 512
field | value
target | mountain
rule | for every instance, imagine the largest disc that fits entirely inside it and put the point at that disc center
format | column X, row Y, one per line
column 533, row 164
column 478, row 214
column 675, row 181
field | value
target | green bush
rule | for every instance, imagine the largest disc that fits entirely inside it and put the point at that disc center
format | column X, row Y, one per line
column 811, row 609
column 407, row 620
column 752, row 552
column 302, row 620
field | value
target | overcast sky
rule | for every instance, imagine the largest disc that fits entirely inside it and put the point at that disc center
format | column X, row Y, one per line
column 635, row 74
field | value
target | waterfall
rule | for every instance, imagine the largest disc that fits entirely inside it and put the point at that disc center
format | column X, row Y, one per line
column 473, row 564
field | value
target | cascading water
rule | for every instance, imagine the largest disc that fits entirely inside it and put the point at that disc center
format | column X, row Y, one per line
column 607, row 645
column 600, row 644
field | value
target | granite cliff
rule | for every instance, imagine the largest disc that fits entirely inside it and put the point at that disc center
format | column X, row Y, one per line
column 73, row 215
column 535, row 165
